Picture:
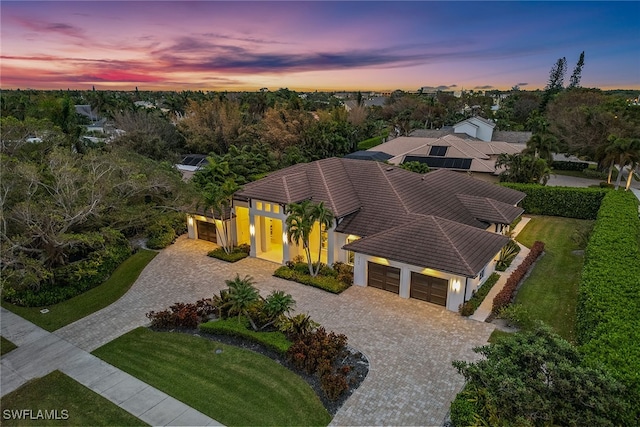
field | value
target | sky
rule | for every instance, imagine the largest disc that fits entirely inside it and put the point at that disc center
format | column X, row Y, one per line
column 305, row 45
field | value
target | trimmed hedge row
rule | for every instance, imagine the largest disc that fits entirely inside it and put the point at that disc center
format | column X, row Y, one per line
column 569, row 202
column 505, row 296
column 608, row 324
column 239, row 327
column 470, row 307
column 569, row 166
column 328, row 283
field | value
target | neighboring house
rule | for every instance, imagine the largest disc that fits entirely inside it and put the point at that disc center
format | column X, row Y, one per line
column 476, row 127
column 465, row 129
column 450, row 152
column 433, row 237
column 190, row 164
column 375, row 101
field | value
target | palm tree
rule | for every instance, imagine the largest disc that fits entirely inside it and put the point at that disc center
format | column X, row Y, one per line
column 277, row 304
column 613, row 153
column 542, row 145
column 631, row 156
column 242, row 296
column 217, row 199
column 302, row 216
column 522, row 168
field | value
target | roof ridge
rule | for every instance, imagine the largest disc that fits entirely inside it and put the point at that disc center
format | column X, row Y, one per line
column 285, row 185
column 436, row 221
column 393, row 188
column 493, row 202
column 334, row 210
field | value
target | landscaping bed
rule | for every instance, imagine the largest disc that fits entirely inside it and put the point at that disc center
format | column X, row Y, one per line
column 334, row 280
column 241, row 317
column 236, row 254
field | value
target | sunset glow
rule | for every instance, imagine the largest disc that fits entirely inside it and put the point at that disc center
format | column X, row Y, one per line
column 212, row 45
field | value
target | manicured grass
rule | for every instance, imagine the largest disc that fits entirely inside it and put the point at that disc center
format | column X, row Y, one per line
column 6, row 346
column 91, row 301
column 58, row 392
column 234, row 386
column 550, row 293
column 240, row 328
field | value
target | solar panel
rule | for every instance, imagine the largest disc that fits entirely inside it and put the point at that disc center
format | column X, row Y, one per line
column 441, row 162
column 438, row 150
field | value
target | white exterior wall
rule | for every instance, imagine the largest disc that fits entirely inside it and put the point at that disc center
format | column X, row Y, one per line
column 473, row 284
column 456, row 283
column 467, row 128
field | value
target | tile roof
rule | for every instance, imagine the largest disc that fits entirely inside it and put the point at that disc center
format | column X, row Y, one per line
column 370, row 198
column 436, row 243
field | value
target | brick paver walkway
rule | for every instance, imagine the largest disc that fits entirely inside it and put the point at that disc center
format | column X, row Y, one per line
column 410, row 344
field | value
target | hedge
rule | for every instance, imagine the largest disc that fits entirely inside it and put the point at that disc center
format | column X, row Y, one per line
column 506, row 294
column 608, row 323
column 238, row 253
column 328, row 283
column 239, row 327
column 569, row 202
column 569, row 166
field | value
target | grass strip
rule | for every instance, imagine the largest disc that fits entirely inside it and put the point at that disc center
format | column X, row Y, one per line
column 234, row 386
column 550, row 292
column 94, row 299
column 6, row 346
column 58, row 400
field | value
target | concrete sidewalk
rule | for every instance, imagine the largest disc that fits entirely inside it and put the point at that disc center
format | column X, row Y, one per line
column 40, row 352
column 483, row 312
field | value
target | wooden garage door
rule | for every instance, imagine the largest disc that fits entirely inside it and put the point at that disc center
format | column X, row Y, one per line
column 384, row 277
column 429, row 288
column 207, row 231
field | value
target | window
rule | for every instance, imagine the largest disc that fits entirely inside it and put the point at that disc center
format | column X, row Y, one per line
column 481, row 274
column 267, row 207
column 276, row 208
column 351, row 256
column 259, row 206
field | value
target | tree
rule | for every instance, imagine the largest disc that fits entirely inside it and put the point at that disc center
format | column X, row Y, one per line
column 217, row 198
column 417, row 167
column 536, row 378
column 277, row 304
column 629, row 154
column 614, row 153
column 242, row 296
column 577, row 72
column 300, row 221
column 522, row 168
column 542, row 146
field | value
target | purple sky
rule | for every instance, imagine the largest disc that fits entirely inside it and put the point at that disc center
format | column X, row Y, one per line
column 363, row 45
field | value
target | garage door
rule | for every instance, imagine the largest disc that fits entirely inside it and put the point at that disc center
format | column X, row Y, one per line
column 429, row 288
column 207, row 231
column 384, row 277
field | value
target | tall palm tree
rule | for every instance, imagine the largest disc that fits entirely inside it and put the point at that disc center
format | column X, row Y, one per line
column 216, row 198
column 613, row 153
column 300, row 220
column 631, row 156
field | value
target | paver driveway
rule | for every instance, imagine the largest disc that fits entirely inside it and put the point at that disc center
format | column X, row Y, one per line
column 410, row 344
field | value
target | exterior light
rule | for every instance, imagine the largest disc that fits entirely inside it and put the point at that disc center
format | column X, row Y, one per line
column 456, row 285
column 284, row 238
column 190, row 220
column 252, row 230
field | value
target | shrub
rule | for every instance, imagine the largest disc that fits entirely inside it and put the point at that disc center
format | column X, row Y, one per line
column 110, row 249
column 507, row 254
column 463, row 409
column 469, row 307
column 312, row 349
column 238, row 253
column 328, row 283
column 181, row 315
column 344, row 272
column 608, row 325
column 505, row 296
column 165, row 230
column 297, row 326
column 569, row 202
column 517, row 315
column 333, row 385
column 569, row 166
column 239, row 327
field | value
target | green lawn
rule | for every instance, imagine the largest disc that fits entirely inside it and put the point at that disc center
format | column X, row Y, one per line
column 58, row 392
column 235, row 386
column 91, row 301
column 550, row 293
column 6, row 346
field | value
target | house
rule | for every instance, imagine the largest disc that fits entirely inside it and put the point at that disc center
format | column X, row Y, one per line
column 468, row 155
column 432, row 237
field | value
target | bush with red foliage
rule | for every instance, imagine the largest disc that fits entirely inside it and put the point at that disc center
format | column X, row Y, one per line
column 505, row 296
column 181, row 315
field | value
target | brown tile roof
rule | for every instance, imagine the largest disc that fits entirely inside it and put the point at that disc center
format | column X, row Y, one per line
column 370, row 198
column 435, row 243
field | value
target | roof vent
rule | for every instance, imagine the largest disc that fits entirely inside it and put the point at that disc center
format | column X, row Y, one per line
column 389, row 169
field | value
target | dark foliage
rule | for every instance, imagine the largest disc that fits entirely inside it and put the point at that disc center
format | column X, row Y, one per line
column 505, row 296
